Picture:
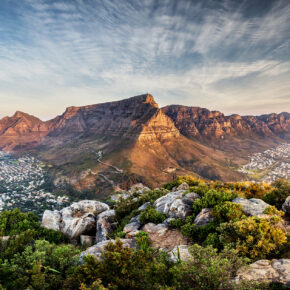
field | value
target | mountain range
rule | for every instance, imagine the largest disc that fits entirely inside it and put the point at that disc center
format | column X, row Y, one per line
column 117, row 143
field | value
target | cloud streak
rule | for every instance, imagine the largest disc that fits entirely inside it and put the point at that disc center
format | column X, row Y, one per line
column 216, row 54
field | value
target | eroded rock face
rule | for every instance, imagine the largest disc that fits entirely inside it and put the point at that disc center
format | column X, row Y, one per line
column 267, row 271
column 252, row 206
column 163, row 237
column 203, row 218
column 104, row 225
column 75, row 220
column 99, row 248
column 286, row 205
column 175, row 204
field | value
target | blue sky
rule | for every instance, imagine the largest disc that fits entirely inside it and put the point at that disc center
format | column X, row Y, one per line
column 232, row 56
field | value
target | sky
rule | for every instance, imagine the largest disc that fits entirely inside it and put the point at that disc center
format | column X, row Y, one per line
column 226, row 55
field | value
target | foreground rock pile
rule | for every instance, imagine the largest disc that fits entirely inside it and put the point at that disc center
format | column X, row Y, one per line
column 92, row 222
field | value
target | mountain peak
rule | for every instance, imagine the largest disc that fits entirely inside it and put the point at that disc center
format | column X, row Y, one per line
column 145, row 99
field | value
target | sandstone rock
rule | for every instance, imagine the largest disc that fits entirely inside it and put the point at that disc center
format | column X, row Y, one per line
column 267, row 271
column 87, row 240
column 104, row 225
column 174, row 204
column 190, row 197
column 99, row 248
column 51, row 220
column 203, row 218
column 183, row 186
column 286, row 205
column 163, row 237
column 253, row 206
column 76, row 219
column 133, row 226
column 183, row 251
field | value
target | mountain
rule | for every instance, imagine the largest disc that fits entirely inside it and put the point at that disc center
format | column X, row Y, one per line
column 139, row 141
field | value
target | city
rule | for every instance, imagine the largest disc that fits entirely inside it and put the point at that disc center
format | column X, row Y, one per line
column 23, row 185
column 269, row 165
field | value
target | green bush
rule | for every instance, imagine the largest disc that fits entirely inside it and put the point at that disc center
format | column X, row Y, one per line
column 212, row 198
column 207, row 269
column 190, row 180
column 278, row 195
column 151, row 215
column 253, row 237
column 227, row 211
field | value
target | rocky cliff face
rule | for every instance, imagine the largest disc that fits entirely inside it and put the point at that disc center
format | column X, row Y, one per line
column 198, row 122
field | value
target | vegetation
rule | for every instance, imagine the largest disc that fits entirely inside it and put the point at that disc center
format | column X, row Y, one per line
column 35, row 258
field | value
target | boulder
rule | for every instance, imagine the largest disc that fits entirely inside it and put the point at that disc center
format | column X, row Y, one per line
column 175, row 204
column 183, row 252
column 76, row 219
column 87, row 240
column 266, row 271
column 144, row 206
column 286, row 205
column 51, row 220
column 203, row 218
column 104, row 225
column 163, row 237
column 252, row 206
column 183, row 186
column 132, row 228
column 99, row 248
column 73, row 227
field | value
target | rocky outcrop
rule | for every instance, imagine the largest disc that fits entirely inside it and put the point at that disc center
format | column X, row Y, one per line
column 105, row 225
column 132, row 228
column 98, row 249
column 267, row 271
column 203, row 218
column 286, row 205
column 75, row 220
column 176, row 204
column 252, row 206
column 163, row 237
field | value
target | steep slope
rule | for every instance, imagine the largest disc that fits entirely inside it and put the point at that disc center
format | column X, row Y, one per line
column 21, row 131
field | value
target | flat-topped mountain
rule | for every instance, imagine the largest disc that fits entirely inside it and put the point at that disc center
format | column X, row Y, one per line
column 146, row 143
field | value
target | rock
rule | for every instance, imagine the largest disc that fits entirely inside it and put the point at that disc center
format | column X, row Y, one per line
column 133, row 226
column 266, row 271
column 76, row 219
column 144, row 206
column 183, row 186
column 87, row 240
column 104, row 225
column 73, row 227
column 174, row 204
column 99, row 248
column 51, row 220
column 183, row 251
column 286, row 205
column 138, row 188
column 252, row 206
column 163, row 237
column 190, row 197
column 167, row 221
column 203, row 218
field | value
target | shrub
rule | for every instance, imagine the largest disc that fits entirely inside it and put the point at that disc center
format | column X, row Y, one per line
column 190, row 180
column 227, row 211
column 151, row 215
column 278, row 195
column 176, row 223
column 211, row 199
column 253, row 237
column 207, row 269
column 272, row 210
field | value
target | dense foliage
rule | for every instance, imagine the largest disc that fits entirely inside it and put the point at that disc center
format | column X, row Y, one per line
column 35, row 258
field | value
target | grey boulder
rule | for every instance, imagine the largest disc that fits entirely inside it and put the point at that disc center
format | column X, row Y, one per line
column 203, row 218
column 252, row 206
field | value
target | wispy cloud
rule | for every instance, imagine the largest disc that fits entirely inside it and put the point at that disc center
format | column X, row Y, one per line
column 216, row 54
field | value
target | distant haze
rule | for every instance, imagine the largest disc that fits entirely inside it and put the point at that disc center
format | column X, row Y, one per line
column 231, row 56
